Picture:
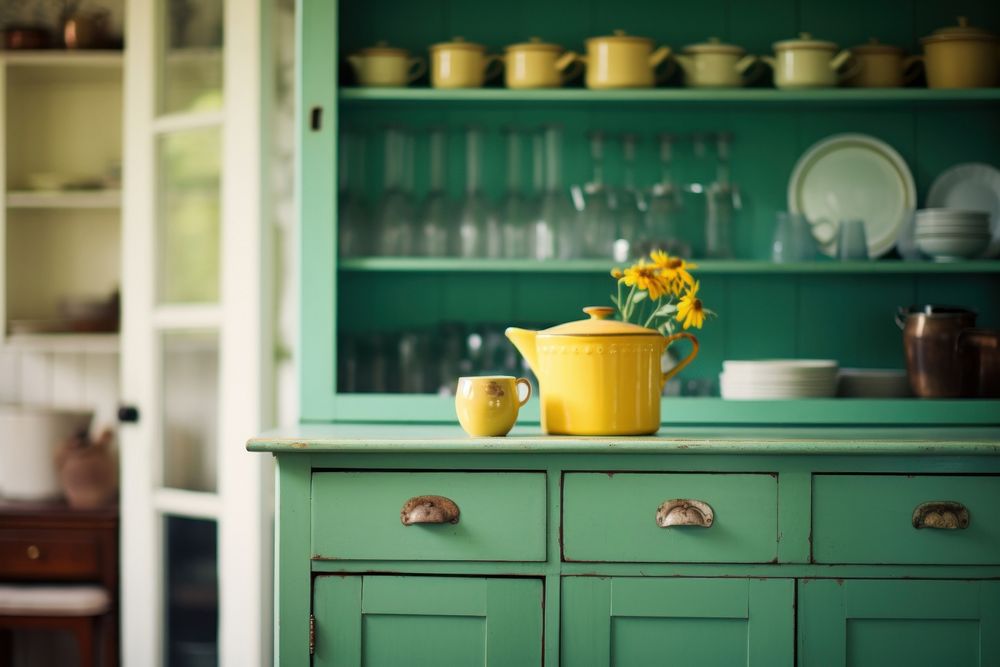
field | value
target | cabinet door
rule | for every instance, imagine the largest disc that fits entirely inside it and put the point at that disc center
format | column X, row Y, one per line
column 913, row 623
column 432, row 621
column 639, row 621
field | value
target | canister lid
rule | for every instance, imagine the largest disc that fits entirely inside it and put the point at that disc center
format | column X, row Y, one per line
column 458, row 43
column 620, row 37
column 599, row 324
column 874, row 46
column 805, row 41
column 714, row 45
column 963, row 31
column 535, row 44
column 382, row 48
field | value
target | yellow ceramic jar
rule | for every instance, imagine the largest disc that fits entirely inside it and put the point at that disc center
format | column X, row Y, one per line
column 713, row 64
column 599, row 376
column 533, row 65
column 807, row 63
column 881, row 66
column 382, row 65
column 487, row 406
column 962, row 57
column 462, row 64
column 621, row 61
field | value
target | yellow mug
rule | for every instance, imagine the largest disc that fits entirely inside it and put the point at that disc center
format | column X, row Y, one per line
column 487, row 406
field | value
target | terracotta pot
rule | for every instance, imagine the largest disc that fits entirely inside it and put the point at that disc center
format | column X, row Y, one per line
column 88, row 471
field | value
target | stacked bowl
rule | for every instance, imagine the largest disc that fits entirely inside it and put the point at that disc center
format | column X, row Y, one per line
column 946, row 234
column 778, row 379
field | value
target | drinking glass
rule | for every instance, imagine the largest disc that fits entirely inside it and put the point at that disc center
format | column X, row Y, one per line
column 597, row 215
column 515, row 211
column 478, row 230
column 629, row 207
column 664, row 207
column 437, row 213
column 793, row 239
column 396, row 216
column 352, row 213
column 852, row 242
column 555, row 229
column 722, row 200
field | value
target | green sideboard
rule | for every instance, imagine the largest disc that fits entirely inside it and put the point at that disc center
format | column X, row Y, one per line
column 811, row 556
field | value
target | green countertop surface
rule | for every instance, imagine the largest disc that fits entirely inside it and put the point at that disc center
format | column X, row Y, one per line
column 373, row 438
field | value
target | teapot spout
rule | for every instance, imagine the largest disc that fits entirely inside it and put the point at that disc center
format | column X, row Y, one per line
column 524, row 341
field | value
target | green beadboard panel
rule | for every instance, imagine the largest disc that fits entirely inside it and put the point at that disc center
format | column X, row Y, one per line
column 633, row 621
column 610, row 517
column 867, row 519
column 870, row 623
column 372, row 529
column 425, row 621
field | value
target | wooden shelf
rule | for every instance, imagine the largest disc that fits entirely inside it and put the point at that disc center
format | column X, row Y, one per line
column 89, row 343
column 426, row 408
column 690, row 96
column 709, row 266
column 65, row 199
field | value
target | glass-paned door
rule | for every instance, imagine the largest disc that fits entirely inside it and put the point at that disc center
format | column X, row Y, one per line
column 195, row 564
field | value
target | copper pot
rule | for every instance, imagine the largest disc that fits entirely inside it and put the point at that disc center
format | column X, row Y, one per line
column 930, row 339
column 980, row 349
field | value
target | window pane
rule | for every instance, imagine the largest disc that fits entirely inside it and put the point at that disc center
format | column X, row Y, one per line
column 192, row 56
column 192, row 592
column 189, row 216
column 190, row 407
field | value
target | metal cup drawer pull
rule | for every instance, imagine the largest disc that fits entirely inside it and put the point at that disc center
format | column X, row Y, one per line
column 429, row 509
column 33, row 552
column 941, row 514
column 683, row 512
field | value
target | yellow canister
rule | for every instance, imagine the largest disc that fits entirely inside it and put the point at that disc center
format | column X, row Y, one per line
column 533, row 64
column 383, row 65
column 599, row 376
column 962, row 56
column 462, row 64
column 621, row 61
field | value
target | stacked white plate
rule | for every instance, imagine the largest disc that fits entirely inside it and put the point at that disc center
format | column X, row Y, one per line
column 778, row 379
column 951, row 234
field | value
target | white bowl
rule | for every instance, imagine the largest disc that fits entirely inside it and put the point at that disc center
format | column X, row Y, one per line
column 953, row 247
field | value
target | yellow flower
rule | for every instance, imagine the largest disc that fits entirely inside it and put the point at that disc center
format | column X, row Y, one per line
column 646, row 277
column 674, row 269
column 617, row 274
column 690, row 310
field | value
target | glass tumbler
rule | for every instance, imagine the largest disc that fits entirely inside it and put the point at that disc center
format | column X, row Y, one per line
column 852, row 242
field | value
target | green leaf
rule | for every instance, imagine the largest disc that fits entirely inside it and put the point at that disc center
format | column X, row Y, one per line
column 639, row 296
column 665, row 309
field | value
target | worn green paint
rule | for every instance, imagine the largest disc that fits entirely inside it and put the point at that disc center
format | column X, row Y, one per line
column 425, row 621
column 632, row 621
column 356, row 515
column 920, row 623
column 866, row 519
column 610, row 517
column 291, row 560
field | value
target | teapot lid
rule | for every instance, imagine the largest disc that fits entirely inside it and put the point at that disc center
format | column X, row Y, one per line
column 619, row 36
column 714, row 45
column 599, row 324
column 382, row 48
column 963, row 31
column 875, row 46
column 804, row 41
column 458, row 43
column 534, row 44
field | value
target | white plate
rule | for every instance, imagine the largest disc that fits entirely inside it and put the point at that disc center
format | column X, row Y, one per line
column 971, row 186
column 853, row 177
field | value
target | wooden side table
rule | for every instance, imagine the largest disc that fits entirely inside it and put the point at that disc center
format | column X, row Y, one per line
column 59, row 570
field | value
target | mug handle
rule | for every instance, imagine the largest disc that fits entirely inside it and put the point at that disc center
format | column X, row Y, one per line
column 523, row 382
column 416, row 67
column 686, row 360
column 911, row 68
column 490, row 72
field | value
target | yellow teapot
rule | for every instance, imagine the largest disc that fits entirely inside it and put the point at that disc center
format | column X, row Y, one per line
column 599, row 376
column 621, row 61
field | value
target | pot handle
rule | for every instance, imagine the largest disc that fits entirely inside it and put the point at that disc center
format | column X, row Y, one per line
column 492, row 67
column 751, row 68
column 847, row 58
column 568, row 58
column 911, row 68
column 900, row 317
column 571, row 69
column 416, row 67
column 685, row 361
column 661, row 57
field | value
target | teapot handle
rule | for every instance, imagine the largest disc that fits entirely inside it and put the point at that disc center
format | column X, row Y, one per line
column 751, row 68
column 685, row 361
column 416, row 67
column 492, row 67
column 900, row 317
column 911, row 68
column 845, row 57
column 662, row 57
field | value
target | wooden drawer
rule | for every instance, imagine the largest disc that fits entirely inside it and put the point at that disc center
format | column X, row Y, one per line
column 49, row 554
column 869, row 519
column 356, row 516
column 613, row 517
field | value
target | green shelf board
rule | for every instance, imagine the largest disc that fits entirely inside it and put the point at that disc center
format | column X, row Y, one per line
column 736, row 266
column 695, row 96
column 420, row 408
